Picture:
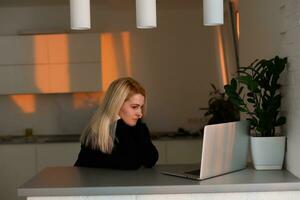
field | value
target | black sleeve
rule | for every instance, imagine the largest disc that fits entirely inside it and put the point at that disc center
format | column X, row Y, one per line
column 116, row 160
column 147, row 152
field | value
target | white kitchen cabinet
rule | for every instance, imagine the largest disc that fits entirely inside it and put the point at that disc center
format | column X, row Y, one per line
column 49, row 49
column 55, row 63
column 23, row 50
column 7, row 80
column 179, row 151
column 73, row 48
column 78, row 77
column 56, row 154
column 17, row 165
column 170, row 152
column 184, row 151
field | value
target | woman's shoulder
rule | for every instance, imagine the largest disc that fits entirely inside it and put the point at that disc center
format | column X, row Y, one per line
column 85, row 148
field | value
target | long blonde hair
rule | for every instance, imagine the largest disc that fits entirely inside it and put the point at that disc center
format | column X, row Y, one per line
column 100, row 132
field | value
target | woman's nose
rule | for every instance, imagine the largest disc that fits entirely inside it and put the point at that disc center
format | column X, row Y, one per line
column 139, row 114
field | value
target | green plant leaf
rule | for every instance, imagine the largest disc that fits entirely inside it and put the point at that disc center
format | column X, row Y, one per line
column 251, row 84
column 250, row 100
column 242, row 109
column 233, row 83
column 262, row 99
column 280, row 121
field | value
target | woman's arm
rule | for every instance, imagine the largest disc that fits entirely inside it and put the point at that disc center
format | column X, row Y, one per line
column 146, row 150
column 117, row 160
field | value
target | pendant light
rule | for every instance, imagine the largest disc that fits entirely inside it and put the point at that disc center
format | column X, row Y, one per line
column 213, row 13
column 80, row 14
column 145, row 14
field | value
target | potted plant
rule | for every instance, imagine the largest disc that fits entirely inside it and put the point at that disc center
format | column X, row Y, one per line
column 220, row 108
column 261, row 102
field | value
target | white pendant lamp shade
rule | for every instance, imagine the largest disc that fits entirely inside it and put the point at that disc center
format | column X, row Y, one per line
column 145, row 13
column 213, row 13
column 80, row 14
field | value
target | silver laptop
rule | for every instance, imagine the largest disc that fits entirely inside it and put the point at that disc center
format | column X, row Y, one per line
column 224, row 150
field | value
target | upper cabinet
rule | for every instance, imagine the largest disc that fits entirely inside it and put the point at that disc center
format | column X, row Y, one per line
column 56, row 63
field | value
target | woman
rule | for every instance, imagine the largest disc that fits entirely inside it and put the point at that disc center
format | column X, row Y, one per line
column 116, row 137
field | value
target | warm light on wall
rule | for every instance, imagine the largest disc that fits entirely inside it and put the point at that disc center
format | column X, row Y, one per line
column 221, row 54
column 235, row 4
column 58, row 48
column 86, row 100
column 238, row 25
column 54, row 76
column 108, row 58
column 26, row 103
column 59, row 67
column 125, row 39
column 41, row 69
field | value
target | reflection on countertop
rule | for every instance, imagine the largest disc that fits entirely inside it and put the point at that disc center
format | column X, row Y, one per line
column 40, row 139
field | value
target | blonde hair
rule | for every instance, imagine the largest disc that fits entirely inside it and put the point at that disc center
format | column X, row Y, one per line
column 100, row 132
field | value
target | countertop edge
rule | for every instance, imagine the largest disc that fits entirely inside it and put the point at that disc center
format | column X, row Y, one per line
column 145, row 190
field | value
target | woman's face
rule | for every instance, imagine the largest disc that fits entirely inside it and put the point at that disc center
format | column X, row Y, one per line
column 131, row 109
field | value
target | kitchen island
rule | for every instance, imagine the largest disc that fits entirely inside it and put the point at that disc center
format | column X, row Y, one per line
column 74, row 183
column 23, row 157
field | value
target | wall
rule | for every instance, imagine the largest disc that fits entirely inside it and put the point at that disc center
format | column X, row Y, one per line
column 269, row 28
column 259, row 33
column 290, row 45
column 175, row 63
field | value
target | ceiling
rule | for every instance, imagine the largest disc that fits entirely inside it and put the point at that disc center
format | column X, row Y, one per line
column 32, row 2
column 112, row 3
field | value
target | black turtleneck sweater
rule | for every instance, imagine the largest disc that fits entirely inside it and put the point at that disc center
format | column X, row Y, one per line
column 132, row 149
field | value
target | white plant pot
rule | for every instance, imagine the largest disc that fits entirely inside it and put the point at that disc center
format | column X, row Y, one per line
column 268, row 152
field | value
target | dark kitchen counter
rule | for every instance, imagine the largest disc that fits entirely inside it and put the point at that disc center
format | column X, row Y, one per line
column 40, row 139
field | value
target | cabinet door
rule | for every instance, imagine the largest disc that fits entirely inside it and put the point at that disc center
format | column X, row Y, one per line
column 56, row 154
column 58, row 63
column 17, row 165
column 23, row 50
column 184, row 151
column 77, row 77
column 73, row 48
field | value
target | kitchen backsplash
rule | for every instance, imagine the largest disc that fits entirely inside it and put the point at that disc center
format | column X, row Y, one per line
column 46, row 114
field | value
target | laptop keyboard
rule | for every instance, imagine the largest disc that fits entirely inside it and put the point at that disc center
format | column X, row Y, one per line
column 193, row 172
